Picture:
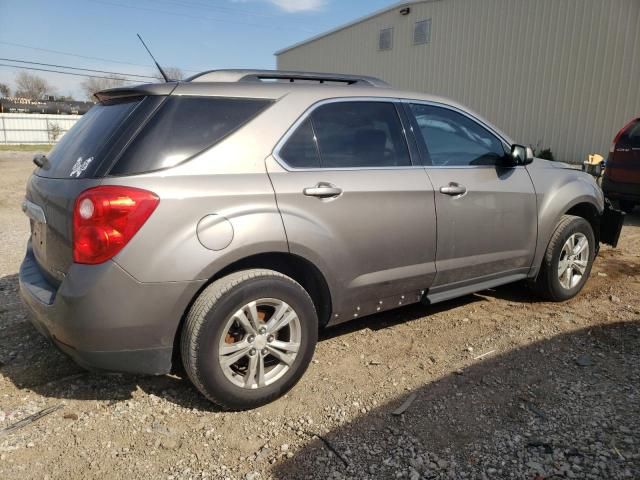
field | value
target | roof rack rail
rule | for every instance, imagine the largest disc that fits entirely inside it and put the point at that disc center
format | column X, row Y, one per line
column 280, row 75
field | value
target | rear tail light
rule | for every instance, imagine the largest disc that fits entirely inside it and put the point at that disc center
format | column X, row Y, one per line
column 620, row 133
column 106, row 218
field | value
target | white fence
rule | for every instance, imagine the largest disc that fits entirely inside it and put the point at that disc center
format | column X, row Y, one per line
column 34, row 128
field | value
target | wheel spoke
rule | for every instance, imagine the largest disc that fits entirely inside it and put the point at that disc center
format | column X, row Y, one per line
column 261, row 380
column 562, row 266
column 276, row 324
column 582, row 244
column 253, row 316
column 229, row 360
column 285, row 346
column 244, row 321
column 230, row 348
column 250, row 376
column 580, row 266
column 283, row 357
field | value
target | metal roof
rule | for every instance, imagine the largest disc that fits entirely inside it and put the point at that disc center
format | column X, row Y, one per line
column 354, row 22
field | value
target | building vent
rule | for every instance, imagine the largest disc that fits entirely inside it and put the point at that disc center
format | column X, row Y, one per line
column 422, row 32
column 385, row 40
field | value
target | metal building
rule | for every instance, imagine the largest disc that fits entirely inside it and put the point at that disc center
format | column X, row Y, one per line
column 563, row 74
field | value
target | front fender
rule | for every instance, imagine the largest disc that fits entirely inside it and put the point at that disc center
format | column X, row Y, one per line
column 558, row 190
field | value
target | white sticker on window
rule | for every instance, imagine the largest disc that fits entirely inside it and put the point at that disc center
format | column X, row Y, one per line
column 80, row 166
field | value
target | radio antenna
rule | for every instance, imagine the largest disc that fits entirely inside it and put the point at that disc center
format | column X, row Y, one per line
column 164, row 75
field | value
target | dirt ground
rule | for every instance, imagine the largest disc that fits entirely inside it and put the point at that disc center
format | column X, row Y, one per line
column 499, row 385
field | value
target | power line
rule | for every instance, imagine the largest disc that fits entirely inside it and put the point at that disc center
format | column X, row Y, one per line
column 67, row 73
column 76, row 68
column 87, row 57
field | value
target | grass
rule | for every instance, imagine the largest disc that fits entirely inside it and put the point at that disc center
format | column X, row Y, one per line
column 41, row 147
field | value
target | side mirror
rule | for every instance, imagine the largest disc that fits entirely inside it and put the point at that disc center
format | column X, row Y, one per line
column 521, row 155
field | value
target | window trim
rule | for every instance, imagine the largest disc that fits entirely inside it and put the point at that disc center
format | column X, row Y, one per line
column 427, row 38
column 384, row 29
column 396, row 102
column 423, row 146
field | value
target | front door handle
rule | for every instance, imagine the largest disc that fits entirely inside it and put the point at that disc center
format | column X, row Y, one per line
column 453, row 189
column 322, row 190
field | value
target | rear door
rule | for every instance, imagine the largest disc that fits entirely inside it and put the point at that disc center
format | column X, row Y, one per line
column 353, row 203
column 487, row 219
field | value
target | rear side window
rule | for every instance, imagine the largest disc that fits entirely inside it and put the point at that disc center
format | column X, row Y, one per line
column 183, row 127
column 84, row 145
column 631, row 137
column 301, row 150
column 360, row 134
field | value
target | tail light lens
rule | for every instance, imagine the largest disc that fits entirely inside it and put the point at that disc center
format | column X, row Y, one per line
column 106, row 218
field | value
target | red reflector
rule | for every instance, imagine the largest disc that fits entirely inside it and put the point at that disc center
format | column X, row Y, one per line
column 106, row 218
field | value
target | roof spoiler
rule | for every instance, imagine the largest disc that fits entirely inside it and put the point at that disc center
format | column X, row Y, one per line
column 137, row 91
column 253, row 76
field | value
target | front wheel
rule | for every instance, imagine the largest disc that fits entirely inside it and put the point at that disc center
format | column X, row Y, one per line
column 248, row 338
column 568, row 260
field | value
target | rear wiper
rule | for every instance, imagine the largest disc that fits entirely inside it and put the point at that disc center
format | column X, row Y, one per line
column 41, row 160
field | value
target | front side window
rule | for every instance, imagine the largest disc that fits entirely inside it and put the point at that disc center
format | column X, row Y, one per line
column 360, row 134
column 453, row 139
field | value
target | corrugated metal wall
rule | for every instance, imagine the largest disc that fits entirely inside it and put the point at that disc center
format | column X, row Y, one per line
column 34, row 128
column 563, row 74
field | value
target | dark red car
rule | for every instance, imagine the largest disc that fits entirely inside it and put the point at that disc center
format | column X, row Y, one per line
column 622, row 175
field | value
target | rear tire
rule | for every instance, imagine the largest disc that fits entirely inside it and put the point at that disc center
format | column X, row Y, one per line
column 568, row 260
column 248, row 338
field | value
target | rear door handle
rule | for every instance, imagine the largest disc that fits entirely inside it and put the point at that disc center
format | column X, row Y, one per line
column 322, row 190
column 453, row 189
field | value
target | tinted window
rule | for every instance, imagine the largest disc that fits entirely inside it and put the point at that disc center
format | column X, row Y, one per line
column 360, row 134
column 301, row 151
column 87, row 139
column 454, row 139
column 631, row 137
column 183, row 127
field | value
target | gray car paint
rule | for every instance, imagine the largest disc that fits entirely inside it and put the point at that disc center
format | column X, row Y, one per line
column 378, row 245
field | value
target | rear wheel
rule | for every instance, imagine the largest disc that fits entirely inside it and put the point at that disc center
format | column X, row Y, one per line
column 248, row 338
column 568, row 260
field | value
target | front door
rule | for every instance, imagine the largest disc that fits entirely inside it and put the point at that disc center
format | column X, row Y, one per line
column 487, row 218
column 355, row 205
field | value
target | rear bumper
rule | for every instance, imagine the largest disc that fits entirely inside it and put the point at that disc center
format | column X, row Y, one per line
column 104, row 319
column 620, row 190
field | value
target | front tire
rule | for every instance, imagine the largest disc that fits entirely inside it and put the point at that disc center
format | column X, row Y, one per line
column 248, row 338
column 568, row 260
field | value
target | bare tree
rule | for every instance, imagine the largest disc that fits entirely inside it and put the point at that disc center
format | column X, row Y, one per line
column 5, row 91
column 174, row 73
column 32, row 86
column 92, row 85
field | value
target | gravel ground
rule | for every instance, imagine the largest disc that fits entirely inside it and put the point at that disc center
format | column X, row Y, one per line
column 495, row 385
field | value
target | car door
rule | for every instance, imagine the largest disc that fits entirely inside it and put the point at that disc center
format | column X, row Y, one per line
column 354, row 204
column 487, row 218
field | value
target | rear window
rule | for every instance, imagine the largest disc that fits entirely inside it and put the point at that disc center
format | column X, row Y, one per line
column 631, row 137
column 81, row 150
column 182, row 127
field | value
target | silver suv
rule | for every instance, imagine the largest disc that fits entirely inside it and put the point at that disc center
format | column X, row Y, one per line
column 223, row 220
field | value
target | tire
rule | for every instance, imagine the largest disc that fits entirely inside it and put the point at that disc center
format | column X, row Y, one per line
column 627, row 206
column 549, row 284
column 214, row 325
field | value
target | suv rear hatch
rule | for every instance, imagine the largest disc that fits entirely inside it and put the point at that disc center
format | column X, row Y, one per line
column 129, row 131
column 623, row 165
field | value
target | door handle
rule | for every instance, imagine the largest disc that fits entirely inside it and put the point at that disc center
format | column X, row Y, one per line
column 453, row 189
column 322, row 190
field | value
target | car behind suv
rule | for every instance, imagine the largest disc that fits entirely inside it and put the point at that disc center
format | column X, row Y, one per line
column 621, row 179
column 222, row 220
